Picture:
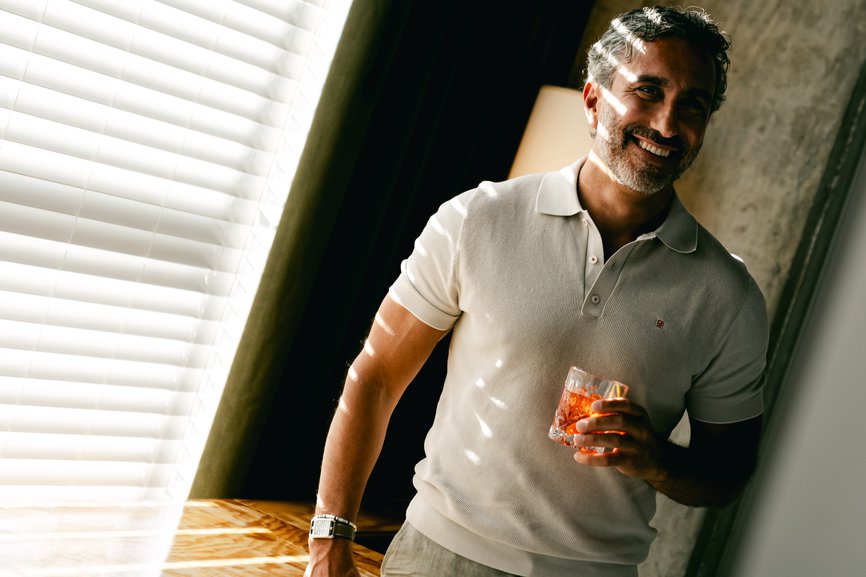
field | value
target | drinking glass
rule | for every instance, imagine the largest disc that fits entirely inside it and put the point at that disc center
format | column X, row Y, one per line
column 580, row 391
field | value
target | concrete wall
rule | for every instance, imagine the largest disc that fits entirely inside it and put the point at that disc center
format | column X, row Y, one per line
column 810, row 506
column 794, row 64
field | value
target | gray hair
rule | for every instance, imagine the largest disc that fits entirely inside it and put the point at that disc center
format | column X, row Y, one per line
column 694, row 25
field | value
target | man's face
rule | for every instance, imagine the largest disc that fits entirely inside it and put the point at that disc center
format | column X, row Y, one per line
column 651, row 123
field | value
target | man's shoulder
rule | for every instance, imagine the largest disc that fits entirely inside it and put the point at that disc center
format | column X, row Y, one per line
column 722, row 266
column 504, row 196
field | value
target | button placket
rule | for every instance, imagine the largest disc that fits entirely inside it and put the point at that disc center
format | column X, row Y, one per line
column 594, row 247
column 600, row 291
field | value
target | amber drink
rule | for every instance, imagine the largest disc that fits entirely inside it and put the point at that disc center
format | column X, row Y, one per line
column 580, row 391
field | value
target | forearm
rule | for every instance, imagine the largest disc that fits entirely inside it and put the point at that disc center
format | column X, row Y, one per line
column 352, row 447
column 397, row 347
column 712, row 471
column 685, row 479
column 353, row 444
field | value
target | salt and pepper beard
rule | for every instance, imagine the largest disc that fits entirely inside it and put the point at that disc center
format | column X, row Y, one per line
column 647, row 179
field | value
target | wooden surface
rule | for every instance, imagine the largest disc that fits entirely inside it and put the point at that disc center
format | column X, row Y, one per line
column 377, row 524
column 298, row 513
column 219, row 538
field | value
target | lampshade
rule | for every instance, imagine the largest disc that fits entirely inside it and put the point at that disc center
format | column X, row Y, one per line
column 556, row 135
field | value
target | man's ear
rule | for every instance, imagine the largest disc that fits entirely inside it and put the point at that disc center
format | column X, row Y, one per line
column 591, row 96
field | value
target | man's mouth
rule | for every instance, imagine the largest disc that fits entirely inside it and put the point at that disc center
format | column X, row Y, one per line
column 658, row 151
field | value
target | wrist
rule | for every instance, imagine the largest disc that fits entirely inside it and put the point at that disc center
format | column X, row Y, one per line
column 330, row 527
column 663, row 467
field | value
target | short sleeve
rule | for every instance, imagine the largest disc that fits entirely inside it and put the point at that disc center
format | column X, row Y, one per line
column 428, row 284
column 731, row 387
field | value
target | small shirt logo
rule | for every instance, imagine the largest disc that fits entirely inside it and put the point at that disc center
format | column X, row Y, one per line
column 660, row 324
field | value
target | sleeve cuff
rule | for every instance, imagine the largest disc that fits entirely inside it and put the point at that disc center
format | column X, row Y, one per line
column 405, row 294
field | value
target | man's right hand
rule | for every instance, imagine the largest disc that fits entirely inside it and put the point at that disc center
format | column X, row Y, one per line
column 331, row 558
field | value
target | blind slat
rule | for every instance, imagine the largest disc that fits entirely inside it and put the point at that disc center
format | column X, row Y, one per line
column 98, row 264
column 101, row 148
column 39, row 472
column 67, row 421
column 84, row 115
column 160, row 42
column 65, row 285
column 140, row 242
column 77, row 448
column 244, row 93
column 245, row 19
column 84, row 395
column 54, row 366
column 238, row 203
column 113, row 346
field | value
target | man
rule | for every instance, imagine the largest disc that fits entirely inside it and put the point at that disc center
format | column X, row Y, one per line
column 599, row 266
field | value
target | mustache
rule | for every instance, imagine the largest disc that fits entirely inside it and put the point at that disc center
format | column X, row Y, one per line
column 654, row 135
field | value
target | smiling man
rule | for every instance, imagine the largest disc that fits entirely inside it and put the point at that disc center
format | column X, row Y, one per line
column 597, row 265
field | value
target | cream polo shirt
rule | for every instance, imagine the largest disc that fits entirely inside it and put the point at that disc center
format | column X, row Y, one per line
column 517, row 269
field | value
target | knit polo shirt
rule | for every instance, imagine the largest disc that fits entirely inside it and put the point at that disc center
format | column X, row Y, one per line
column 517, row 270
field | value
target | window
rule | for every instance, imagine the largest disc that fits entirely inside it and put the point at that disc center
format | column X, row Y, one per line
column 147, row 151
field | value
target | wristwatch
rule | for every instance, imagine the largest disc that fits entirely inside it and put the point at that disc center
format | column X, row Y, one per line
column 330, row 526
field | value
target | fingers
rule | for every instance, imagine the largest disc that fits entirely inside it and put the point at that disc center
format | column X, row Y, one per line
column 621, row 423
column 622, row 428
column 611, row 456
column 608, row 442
column 618, row 405
column 619, row 415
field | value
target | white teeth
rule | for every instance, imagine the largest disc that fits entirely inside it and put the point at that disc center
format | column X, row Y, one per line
column 654, row 149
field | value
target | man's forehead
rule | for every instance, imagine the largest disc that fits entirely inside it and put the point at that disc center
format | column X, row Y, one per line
column 669, row 61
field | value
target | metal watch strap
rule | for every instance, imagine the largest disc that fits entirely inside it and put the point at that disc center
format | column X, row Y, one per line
column 330, row 526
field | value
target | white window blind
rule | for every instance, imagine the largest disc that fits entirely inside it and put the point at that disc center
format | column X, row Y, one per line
column 146, row 151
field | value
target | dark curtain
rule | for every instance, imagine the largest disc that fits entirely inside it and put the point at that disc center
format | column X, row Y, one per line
column 424, row 100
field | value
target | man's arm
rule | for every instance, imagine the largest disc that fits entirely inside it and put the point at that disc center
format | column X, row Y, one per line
column 395, row 350
column 711, row 471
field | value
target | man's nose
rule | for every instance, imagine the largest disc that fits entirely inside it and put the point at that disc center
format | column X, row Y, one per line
column 666, row 120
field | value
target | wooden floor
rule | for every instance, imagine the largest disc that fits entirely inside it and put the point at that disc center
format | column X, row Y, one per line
column 218, row 538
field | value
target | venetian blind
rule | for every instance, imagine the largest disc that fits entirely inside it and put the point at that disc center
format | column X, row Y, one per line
column 147, row 151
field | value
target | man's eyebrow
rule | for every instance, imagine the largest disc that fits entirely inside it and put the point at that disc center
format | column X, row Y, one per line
column 664, row 82
column 650, row 79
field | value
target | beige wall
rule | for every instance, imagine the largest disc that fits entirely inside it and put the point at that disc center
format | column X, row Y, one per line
column 794, row 64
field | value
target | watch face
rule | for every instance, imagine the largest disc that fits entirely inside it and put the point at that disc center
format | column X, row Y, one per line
column 322, row 528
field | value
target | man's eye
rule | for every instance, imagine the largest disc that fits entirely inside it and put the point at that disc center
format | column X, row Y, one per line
column 649, row 91
column 694, row 106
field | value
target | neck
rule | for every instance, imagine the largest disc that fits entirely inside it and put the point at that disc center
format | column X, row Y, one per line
column 620, row 213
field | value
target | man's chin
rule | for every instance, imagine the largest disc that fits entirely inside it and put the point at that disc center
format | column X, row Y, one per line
column 647, row 183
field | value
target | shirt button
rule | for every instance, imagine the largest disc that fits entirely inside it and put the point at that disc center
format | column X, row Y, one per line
column 593, row 259
column 595, row 299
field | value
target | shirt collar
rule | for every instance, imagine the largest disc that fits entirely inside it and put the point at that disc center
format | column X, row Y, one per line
column 557, row 196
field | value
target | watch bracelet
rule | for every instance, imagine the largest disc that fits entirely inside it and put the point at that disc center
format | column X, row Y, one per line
column 348, row 527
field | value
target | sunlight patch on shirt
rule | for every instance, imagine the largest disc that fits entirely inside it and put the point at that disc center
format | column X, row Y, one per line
column 485, row 428
column 459, row 207
column 419, row 248
column 498, row 403
column 437, row 227
column 472, row 456
column 488, row 189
